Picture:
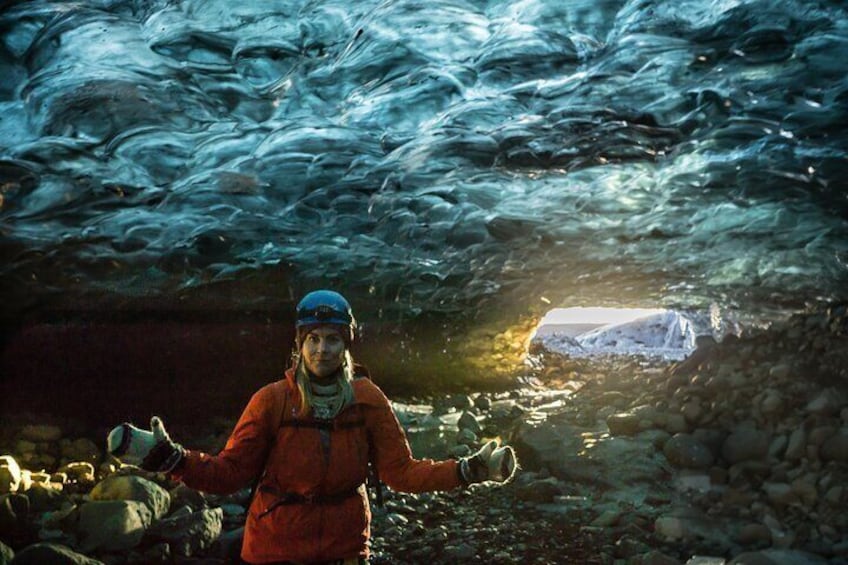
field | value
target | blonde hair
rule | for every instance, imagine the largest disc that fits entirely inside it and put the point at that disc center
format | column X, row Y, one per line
column 344, row 377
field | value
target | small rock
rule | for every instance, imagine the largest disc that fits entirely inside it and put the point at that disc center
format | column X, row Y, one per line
column 827, row 403
column 693, row 411
column 6, row 553
column 41, row 433
column 25, row 447
column 52, row 553
column 834, row 495
column 14, row 514
column 692, row 481
column 777, row 557
column 229, row 544
column 772, row 402
column 675, row 424
column 670, row 528
column 482, row 403
column 797, row 446
column 182, row 495
column 466, row 437
column 683, row 450
column 657, row 557
column 628, row 547
column 467, row 421
column 232, row 509
column 10, row 474
column 780, row 371
column 460, row 402
column 82, row 449
column 539, row 491
column 42, row 498
column 624, row 424
column 191, row 533
column 79, row 471
column 41, row 479
column 158, row 553
column 745, row 444
column 459, row 451
column 607, row 518
column 779, row 493
column 459, row 553
column 751, row 534
column 836, row 448
column 778, row 446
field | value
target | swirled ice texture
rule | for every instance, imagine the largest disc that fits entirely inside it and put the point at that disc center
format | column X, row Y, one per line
column 438, row 155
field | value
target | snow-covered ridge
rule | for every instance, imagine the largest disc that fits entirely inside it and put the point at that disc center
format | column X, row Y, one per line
column 663, row 333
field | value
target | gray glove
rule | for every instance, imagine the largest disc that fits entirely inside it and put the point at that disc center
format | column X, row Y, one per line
column 151, row 450
column 491, row 463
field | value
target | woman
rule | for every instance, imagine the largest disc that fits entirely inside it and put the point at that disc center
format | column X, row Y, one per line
column 308, row 439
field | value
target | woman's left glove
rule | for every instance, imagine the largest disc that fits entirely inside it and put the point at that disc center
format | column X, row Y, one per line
column 151, row 450
column 491, row 463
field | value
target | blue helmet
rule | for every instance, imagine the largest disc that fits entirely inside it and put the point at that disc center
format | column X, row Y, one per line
column 325, row 307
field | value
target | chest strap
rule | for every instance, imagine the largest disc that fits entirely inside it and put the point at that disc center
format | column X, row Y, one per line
column 323, row 424
column 296, row 498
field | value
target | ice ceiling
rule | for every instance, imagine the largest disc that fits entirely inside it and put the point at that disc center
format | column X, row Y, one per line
column 443, row 162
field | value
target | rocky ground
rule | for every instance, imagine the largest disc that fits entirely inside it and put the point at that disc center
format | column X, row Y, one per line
column 738, row 454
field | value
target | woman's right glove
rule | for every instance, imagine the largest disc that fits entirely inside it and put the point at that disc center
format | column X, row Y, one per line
column 151, row 450
column 491, row 463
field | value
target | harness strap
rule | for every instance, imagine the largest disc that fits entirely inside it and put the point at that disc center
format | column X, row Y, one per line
column 297, row 498
column 322, row 424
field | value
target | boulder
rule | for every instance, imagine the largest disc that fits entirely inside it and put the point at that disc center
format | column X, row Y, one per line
column 112, row 525
column 133, row 487
column 52, row 553
column 189, row 532
column 10, row 474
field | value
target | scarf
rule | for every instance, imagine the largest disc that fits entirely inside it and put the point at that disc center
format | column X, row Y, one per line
column 325, row 401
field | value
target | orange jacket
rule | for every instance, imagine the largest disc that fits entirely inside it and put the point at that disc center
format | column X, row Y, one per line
column 338, row 526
